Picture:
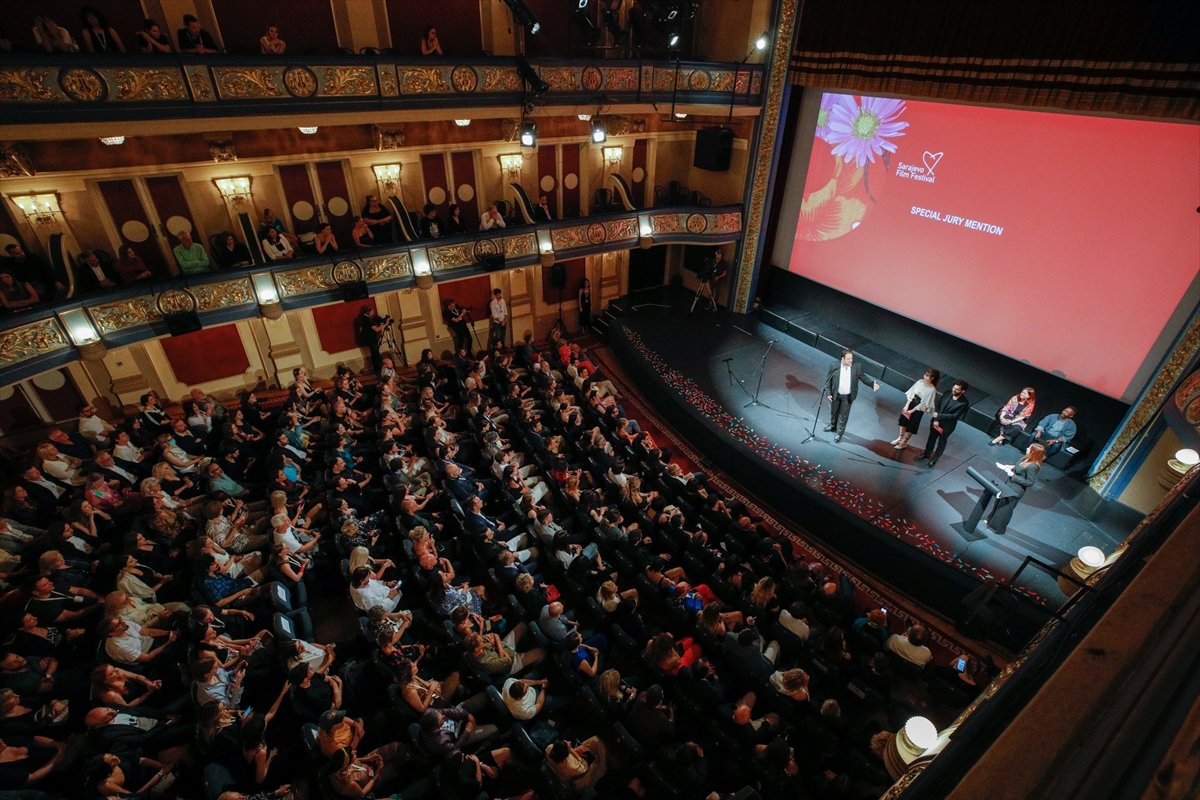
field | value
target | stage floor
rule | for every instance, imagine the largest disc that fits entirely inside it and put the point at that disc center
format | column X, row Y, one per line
column 881, row 485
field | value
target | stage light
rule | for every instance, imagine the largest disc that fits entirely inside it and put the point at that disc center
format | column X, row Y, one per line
column 529, row 134
column 523, row 15
column 674, row 40
column 537, row 86
column 673, row 13
column 1189, row 458
column 680, row 115
column 583, row 4
column 112, row 140
column 761, row 42
column 585, row 117
column 309, row 131
column 462, row 123
column 599, row 133
column 1091, row 556
column 535, row 27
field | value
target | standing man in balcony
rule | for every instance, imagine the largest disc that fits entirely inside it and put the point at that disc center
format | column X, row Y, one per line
column 541, row 212
column 498, row 313
column 194, row 39
column 190, row 256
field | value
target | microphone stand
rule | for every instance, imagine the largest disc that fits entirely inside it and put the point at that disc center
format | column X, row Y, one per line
column 475, row 333
column 812, row 434
column 761, row 369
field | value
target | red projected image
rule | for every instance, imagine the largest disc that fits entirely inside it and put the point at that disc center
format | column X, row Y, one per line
column 1063, row 240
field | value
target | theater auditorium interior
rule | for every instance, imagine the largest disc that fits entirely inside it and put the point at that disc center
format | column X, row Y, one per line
column 664, row 399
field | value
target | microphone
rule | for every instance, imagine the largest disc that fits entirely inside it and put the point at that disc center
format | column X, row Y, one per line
column 728, row 359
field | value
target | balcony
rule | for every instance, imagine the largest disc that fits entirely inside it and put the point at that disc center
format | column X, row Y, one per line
column 48, row 337
column 41, row 89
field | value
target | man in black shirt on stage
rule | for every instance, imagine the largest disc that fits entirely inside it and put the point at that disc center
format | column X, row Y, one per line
column 951, row 409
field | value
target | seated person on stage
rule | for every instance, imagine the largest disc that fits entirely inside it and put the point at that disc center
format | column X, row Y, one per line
column 1056, row 431
column 1015, row 413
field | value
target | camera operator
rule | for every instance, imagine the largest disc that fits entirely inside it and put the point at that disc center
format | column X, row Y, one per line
column 456, row 320
column 714, row 269
column 370, row 331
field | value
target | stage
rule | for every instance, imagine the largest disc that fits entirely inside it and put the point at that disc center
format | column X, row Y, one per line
column 875, row 505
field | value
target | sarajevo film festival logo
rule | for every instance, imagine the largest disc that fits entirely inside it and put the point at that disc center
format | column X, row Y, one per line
column 917, row 172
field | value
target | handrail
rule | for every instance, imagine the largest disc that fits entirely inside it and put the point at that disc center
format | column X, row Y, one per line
column 38, row 340
column 81, row 87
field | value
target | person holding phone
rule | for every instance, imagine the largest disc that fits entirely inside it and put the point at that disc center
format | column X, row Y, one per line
column 966, row 673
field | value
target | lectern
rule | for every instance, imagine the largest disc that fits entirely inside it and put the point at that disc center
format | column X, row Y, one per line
column 990, row 489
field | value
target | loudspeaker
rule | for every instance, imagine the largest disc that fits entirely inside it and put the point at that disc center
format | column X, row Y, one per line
column 558, row 276
column 714, row 149
column 179, row 324
column 492, row 263
column 355, row 291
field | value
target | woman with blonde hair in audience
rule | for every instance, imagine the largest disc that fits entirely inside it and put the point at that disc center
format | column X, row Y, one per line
column 129, row 581
column 118, row 605
column 279, row 505
column 361, row 557
column 763, row 596
column 610, row 595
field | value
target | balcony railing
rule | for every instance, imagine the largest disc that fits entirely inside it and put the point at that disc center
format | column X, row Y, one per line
column 48, row 337
column 50, row 88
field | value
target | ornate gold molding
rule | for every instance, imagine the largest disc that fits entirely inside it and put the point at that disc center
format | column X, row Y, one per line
column 768, row 127
column 34, row 339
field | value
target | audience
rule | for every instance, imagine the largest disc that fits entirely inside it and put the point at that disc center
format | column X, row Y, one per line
column 151, row 39
column 194, row 39
column 190, row 256
column 271, row 43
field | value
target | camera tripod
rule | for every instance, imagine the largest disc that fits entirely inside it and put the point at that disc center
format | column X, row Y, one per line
column 471, row 327
column 704, row 292
column 387, row 340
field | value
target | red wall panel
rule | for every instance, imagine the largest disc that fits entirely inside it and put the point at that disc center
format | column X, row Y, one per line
column 172, row 208
column 336, row 326
column 463, row 166
column 58, row 393
column 475, row 292
column 207, row 355
column 305, row 25
column 125, row 206
column 16, row 414
column 570, row 185
column 433, row 170
column 297, row 189
column 548, row 177
column 333, row 188
column 638, row 183
column 576, row 272
column 457, row 24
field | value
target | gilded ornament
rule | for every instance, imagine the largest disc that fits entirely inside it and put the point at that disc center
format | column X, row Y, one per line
column 696, row 223
column 387, row 139
column 566, row 238
column 464, row 79
column 348, row 81
column 517, row 246
column 669, row 223
column 502, row 79
column 592, row 79
column 300, row 81
column 249, row 83
column 725, row 223
column 618, row 125
column 621, row 79
column 397, row 266
column 201, row 84
column 304, row 281
column 699, row 80
column 223, row 295
column 348, row 272
column 28, row 341
column 485, row 247
column 721, row 80
column 621, row 229
column 147, row 84
column 81, row 84
column 756, row 83
column 595, row 233
column 743, row 82
column 664, row 79
column 451, row 256
column 26, row 86
column 561, row 78
column 222, row 151
column 122, row 314
column 15, row 162
column 387, row 80
column 176, row 301
column 423, row 80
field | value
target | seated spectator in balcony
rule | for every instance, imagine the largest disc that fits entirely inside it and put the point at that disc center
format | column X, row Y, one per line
column 362, row 235
column 151, row 39
column 93, row 276
column 430, row 46
column 275, row 247
column 232, row 254
column 380, row 220
column 970, row 679
column 16, row 296
column 911, row 646
column 98, row 37
column 31, row 269
column 454, row 225
column 491, row 219
column 194, row 39
column 432, row 226
column 541, row 212
column 269, row 220
column 271, row 43
column 190, row 255
column 131, row 268
column 52, row 38
column 325, row 240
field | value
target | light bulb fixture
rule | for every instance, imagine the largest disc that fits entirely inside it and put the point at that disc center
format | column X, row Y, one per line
column 674, row 40
column 612, row 156
column 511, row 165
column 599, row 132
column 308, row 131
column 680, row 115
column 761, row 42
column 585, row 117
column 388, row 177
column 39, row 209
column 268, row 296
column 583, row 4
column 422, row 271
column 112, row 141
column 462, row 123
column 1092, row 557
column 646, row 232
column 545, row 248
column 528, row 134
column 1188, row 457
column 83, row 334
column 236, row 189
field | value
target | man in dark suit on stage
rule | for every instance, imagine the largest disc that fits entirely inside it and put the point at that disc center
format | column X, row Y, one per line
column 951, row 409
column 841, row 387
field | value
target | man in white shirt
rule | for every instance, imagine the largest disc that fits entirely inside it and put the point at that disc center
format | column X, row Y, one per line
column 92, row 426
column 61, row 467
column 524, row 699
column 911, row 646
column 130, row 643
column 498, row 314
column 367, row 592
column 841, row 387
column 491, row 219
column 794, row 619
column 289, row 537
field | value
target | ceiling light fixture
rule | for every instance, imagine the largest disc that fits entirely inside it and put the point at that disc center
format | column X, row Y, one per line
column 761, row 42
column 680, row 115
column 307, row 131
column 599, row 132
column 529, row 134
column 462, row 123
column 674, row 40
column 112, row 140
column 585, row 117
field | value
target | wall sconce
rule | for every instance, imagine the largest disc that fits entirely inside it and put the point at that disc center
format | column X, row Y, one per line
column 1086, row 562
column 308, row 130
column 462, row 123
column 612, row 156
column 1177, row 467
column 511, row 165
column 388, row 176
column 909, row 744
column 83, row 335
column 645, row 232
column 546, row 248
column 112, row 141
column 421, row 268
column 268, row 296
column 40, row 209
column 235, row 190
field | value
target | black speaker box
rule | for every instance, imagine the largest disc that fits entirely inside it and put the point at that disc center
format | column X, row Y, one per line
column 355, row 291
column 492, row 263
column 558, row 276
column 714, row 149
column 179, row 324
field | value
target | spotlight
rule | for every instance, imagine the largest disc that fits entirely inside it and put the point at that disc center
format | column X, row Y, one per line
column 308, row 131
column 673, row 13
column 761, row 42
column 537, row 86
column 462, row 123
column 529, row 134
column 674, row 40
column 599, row 133
column 585, row 117
column 523, row 15
column 680, row 115
column 583, row 4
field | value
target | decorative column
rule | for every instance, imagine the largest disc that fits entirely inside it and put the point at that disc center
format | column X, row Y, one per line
column 521, row 315
column 763, row 156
